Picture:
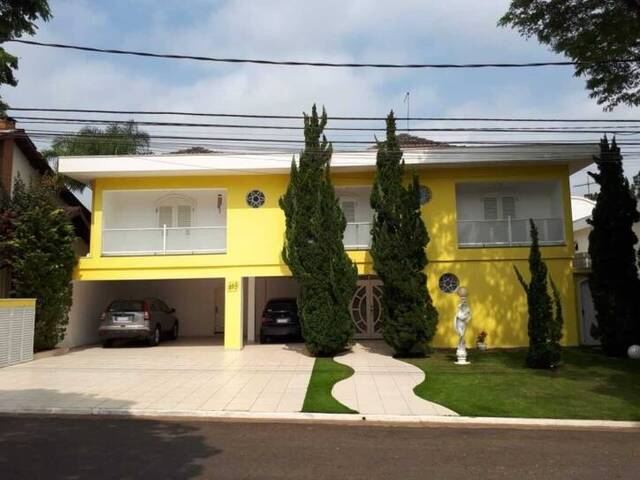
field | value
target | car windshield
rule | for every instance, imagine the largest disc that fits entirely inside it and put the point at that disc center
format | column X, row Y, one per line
column 126, row 306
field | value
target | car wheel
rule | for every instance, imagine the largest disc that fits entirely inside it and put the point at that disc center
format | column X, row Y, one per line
column 264, row 339
column 175, row 332
column 154, row 339
column 107, row 344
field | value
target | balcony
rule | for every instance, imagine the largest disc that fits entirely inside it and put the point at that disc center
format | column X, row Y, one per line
column 146, row 222
column 357, row 236
column 163, row 241
column 498, row 213
column 582, row 261
column 481, row 233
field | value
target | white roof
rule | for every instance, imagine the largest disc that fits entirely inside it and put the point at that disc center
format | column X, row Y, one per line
column 88, row 168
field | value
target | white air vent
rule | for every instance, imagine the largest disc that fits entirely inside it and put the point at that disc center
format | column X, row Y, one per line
column 17, row 324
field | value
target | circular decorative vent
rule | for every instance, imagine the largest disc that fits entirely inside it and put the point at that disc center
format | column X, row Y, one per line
column 425, row 194
column 448, row 283
column 255, row 198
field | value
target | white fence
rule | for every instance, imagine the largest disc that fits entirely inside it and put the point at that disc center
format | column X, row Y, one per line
column 17, row 324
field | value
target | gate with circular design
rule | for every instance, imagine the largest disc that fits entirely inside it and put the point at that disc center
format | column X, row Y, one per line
column 365, row 309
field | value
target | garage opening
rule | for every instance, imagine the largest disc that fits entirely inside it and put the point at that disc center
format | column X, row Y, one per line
column 257, row 292
column 199, row 305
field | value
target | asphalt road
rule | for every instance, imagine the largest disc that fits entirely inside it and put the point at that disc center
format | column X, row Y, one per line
column 97, row 448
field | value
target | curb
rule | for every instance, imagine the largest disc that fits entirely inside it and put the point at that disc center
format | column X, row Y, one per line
column 401, row 420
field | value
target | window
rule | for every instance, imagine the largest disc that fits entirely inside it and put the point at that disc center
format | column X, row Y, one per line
column 349, row 209
column 491, row 208
column 508, row 207
column 175, row 211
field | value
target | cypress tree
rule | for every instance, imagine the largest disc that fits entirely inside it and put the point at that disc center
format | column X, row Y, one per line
column 313, row 247
column 545, row 329
column 398, row 249
column 614, row 274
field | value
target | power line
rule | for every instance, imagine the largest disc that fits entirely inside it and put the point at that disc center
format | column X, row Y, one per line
column 84, row 121
column 294, row 63
column 300, row 117
column 586, row 142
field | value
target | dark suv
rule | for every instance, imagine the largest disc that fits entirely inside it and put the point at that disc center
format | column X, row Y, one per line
column 280, row 319
column 147, row 319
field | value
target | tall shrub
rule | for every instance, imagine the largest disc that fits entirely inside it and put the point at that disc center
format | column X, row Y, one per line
column 398, row 249
column 313, row 247
column 38, row 250
column 544, row 327
column 614, row 275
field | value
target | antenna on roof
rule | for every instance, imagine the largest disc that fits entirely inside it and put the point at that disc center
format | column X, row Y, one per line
column 407, row 100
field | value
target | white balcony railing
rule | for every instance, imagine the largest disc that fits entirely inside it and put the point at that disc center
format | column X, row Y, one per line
column 357, row 236
column 164, row 241
column 509, row 232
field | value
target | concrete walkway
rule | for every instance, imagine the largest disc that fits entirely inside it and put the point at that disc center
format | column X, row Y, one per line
column 381, row 384
column 196, row 376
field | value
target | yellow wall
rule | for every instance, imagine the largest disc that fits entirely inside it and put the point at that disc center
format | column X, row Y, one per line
column 254, row 243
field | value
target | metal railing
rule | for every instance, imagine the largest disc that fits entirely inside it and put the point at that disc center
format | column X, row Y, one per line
column 357, row 236
column 509, row 232
column 582, row 261
column 164, row 240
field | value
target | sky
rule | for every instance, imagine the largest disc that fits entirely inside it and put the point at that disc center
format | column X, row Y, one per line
column 331, row 30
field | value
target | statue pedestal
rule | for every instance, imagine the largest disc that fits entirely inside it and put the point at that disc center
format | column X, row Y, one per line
column 461, row 354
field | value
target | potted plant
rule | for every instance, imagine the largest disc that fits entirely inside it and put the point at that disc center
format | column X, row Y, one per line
column 480, row 341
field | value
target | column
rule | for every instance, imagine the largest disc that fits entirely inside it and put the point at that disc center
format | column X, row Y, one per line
column 251, row 309
column 233, row 312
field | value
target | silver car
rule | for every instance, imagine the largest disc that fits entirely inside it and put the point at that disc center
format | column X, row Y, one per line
column 149, row 319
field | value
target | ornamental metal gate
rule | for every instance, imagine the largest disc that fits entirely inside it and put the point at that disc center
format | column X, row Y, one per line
column 365, row 309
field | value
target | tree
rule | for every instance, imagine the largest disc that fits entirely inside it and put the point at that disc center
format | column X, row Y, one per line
column 17, row 17
column 313, row 247
column 37, row 248
column 590, row 32
column 116, row 139
column 398, row 249
column 614, row 274
column 544, row 328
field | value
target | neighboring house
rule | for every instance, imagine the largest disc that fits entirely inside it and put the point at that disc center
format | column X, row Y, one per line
column 581, row 209
column 205, row 233
column 20, row 157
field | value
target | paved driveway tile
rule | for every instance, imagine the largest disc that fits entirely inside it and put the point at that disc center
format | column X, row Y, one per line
column 191, row 375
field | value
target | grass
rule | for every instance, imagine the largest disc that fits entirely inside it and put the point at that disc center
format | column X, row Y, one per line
column 326, row 373
column 588, row 385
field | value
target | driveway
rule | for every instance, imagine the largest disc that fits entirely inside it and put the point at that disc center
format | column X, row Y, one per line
column 186, row 375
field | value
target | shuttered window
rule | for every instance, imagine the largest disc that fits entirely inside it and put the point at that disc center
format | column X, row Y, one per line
column 184, row 216
column 490, row 208
column 508, row 207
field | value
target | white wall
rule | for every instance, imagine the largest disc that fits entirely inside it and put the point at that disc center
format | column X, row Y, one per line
column 137, row 209
column 22, row 167
column 581, row 239
column 193, row 299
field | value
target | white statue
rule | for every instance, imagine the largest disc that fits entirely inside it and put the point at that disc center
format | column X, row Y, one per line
column 460, row 322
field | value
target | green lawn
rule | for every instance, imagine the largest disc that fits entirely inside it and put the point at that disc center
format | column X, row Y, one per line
column 588, row 385
column 326, row 373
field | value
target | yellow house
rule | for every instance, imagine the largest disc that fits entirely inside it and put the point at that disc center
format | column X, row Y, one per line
column 205, row 233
